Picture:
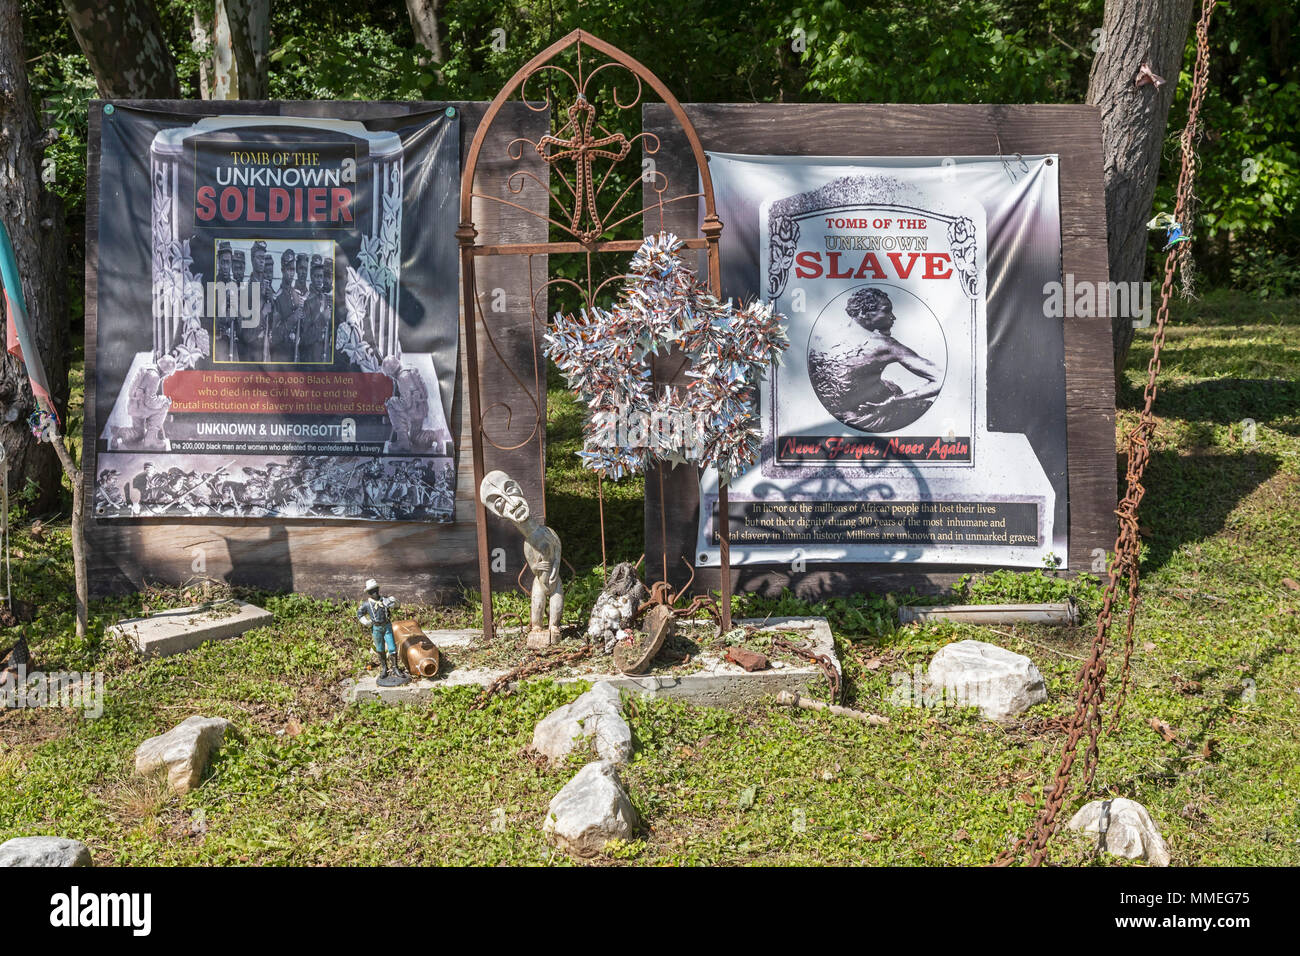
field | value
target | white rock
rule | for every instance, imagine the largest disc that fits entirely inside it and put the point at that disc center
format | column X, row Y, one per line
column 183, row 751
column 44, row 851
column 592, row 809
column 997, row 681
column 594, row 719
column 1125, row 829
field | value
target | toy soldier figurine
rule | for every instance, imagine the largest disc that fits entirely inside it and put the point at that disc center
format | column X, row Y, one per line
column 375, row 612
column 505, row 498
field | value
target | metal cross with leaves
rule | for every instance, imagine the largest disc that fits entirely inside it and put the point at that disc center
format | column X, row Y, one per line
column 582, row 148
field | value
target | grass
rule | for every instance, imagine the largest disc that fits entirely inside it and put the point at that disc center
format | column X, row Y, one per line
column 307, row 780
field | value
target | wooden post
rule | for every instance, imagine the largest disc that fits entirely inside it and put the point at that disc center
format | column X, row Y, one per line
column 78, row 530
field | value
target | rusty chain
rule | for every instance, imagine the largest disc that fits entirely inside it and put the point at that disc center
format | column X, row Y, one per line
column 538, row 664
column 826, row 665
column 1091, row 678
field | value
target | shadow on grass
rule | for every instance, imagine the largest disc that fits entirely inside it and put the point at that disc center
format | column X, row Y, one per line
column 1189, row 497
column 1226, row 401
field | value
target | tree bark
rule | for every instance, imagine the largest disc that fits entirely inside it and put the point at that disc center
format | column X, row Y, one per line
column 424, row 16
column 201, row 43
column 240, row 50
column 225, row 68
column 126, row 47
column 34, row 218
column 250, row 43
column 1133, row 121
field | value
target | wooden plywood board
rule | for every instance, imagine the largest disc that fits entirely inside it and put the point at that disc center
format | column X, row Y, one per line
column 418, row 561
column 1071, row 132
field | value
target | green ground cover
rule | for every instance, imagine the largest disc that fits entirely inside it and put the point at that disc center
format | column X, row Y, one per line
column 307, row 780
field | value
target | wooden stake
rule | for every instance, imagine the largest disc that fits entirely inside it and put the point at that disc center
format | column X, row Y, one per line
column 78, row 530
column 796, row 700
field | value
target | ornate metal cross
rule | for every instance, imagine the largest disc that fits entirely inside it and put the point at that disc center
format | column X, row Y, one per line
column 582, row 149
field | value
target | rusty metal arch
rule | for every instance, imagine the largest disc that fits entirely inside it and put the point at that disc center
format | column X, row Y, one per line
column 585, row 240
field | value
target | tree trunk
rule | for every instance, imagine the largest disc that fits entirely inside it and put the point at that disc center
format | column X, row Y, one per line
column 1133, row 121
column 225, row 68
column 250, row 43
column 424, row 16
column 126, row 47
column 241, row 49
column 35, row 221
column 201, row 43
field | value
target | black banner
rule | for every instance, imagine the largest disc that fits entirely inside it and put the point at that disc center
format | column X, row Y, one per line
column 278, row 314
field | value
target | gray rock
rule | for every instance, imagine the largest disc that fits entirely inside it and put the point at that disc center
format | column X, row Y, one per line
column 592, row 809
column 999, row 682
column 183, row 751
column 593, row 720
column 44, row 851
column 1124, row 828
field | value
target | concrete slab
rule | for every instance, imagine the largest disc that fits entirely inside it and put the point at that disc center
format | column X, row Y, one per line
column 183, row 629
column 716, row 684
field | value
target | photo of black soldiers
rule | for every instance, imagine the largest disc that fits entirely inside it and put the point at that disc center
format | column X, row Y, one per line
column 287, row 314
column 225, row 259
column 293, row 320
column 252, row 335
column 227, row 304
column 314, row 345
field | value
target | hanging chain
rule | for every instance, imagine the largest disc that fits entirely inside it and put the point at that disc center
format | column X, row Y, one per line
column 1091, row 695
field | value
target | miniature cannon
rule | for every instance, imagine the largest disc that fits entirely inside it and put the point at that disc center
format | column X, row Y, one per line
column 418, row 654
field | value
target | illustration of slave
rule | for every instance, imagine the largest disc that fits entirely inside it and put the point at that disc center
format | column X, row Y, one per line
column 503, row 497
column 147, row 407
column 407, row 408
column 848, row 364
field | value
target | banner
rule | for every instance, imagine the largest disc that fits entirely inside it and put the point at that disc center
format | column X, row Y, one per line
column 919, row 414
column 277, row 314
